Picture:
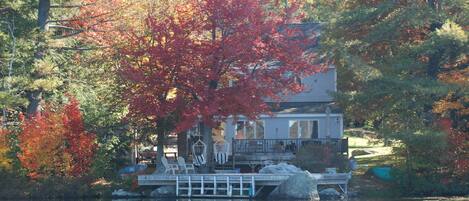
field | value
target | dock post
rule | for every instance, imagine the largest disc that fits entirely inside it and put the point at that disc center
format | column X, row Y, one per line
column 241, row 185
column 202, row 185
column 189, row 193
column 228, row 190
column 214, row 185
column 177, row 186
column 253, row 187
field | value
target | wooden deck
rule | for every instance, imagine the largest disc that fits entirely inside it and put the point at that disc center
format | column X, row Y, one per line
column 231, row 185
column 258, row 151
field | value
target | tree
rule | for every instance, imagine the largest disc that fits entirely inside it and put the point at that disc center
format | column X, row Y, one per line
column 183, row 64
column 54, row 143
column 391, row 58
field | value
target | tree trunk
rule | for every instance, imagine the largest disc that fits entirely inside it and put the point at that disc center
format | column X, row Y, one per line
column 208, row 140
column 43, row 14
column 35, row 96
column 182, row 144
column 161, row 140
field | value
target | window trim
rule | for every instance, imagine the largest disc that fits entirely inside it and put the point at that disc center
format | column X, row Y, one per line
column 298, row 128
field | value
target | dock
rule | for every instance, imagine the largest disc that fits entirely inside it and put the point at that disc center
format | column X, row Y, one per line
column 236, row 185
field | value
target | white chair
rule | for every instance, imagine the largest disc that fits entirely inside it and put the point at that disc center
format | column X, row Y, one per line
column 169, row 167
column 185, row 166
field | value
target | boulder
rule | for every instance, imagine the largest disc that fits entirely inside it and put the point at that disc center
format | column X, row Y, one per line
column 329, row 194
column 122, row 193
column 302, row 185
column 164, row 191
column 281, row 168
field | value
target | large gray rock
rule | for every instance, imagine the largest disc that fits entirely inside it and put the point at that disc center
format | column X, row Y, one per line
column 281, row 168
column 329, row 194
column 164, row 191
column 302, row 185
column 122, row 193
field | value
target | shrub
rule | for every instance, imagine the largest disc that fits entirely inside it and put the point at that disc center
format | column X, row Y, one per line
column 55, row 143
column 315, row 158
column 5, row 160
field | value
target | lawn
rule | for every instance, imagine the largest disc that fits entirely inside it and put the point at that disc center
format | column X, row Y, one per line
column 378, row 155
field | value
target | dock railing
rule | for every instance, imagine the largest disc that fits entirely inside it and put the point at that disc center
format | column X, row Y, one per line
column 240, row 146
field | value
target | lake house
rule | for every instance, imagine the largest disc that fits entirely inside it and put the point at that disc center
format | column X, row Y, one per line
column 310, row 117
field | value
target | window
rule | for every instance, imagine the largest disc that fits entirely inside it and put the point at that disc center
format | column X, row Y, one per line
column 249, row 130
column 304, row 129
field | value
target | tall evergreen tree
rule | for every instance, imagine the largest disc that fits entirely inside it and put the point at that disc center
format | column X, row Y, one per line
column 391, row 57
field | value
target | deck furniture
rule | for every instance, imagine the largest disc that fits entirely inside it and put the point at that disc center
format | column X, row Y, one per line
column 221, row 151
column 199, row 153
column 186, row 167
column 169, row 167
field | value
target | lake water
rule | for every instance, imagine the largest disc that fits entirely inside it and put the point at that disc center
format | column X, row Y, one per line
column 353, row 199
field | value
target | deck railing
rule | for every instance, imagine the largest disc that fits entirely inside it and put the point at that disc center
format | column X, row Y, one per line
column 285, row 145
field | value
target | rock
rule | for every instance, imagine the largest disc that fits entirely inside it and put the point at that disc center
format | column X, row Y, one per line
column 164, row 191
column 281, row 168
column 361, row 152
column 329, row 194
column 302, row 185
column 122, row 193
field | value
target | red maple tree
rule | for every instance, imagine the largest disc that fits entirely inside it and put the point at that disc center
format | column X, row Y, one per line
column 213, row 59
column 56, row 143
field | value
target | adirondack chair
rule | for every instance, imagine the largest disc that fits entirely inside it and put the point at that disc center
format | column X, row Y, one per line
column 169, row 167
column 186, row 167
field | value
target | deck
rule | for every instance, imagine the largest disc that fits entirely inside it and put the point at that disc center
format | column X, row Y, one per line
column 264, row 151
column 232, row 184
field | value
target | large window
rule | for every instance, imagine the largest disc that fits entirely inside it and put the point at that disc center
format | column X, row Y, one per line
column 304, row 129
column 249, row 130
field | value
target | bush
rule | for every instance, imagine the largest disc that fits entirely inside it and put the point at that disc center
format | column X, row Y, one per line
column 412, row 184
column 315, row 158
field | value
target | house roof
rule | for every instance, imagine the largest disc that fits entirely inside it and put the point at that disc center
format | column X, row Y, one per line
column 304, row 107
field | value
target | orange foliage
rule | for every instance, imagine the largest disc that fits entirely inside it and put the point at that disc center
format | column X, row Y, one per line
column 55, row 143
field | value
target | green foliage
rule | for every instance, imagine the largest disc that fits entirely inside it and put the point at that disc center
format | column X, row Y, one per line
column 411, row 184
column 315, row 158
column 390, row 57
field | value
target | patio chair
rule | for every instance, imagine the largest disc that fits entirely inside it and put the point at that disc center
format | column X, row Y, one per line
column 169, row 167
column 185, row 166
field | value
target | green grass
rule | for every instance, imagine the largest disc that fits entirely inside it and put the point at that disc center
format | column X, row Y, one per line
column 363, row 142
column 378, row 160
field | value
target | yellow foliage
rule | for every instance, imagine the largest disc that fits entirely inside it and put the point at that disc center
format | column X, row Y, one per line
column 445, row 105
column 5, row 161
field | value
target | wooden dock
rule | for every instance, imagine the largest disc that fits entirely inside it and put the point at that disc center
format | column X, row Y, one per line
column 231, row 185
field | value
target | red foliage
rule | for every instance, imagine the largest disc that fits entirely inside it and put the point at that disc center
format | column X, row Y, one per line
column 458, row 147
column 185, row 62
column 459, row 151
column 56, row 143
column 81, row 143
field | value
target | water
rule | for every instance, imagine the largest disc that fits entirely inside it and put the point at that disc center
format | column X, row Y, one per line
column 352, row 199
